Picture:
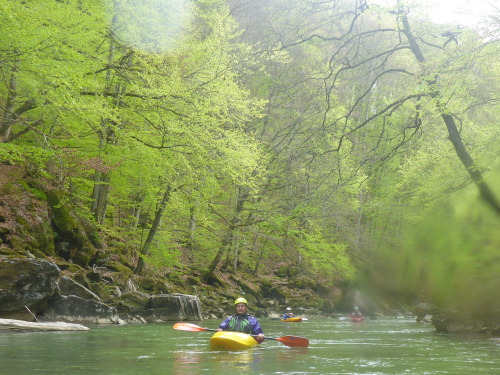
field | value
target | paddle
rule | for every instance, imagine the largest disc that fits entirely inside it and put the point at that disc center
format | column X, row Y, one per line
column 287, row 340
column 303, row 319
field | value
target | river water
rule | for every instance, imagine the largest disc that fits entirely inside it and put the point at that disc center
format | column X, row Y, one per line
column 385, row 346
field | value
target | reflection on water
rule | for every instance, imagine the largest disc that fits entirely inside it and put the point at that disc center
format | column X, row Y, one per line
column 185, row 362
column 242, row 362
column 239, row 362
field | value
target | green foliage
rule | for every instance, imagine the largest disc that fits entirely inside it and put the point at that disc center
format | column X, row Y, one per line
column 164, row 255
column 32, row 157
column 323, row 146
column 38, row 193
column 326, row 258
column 450, row 258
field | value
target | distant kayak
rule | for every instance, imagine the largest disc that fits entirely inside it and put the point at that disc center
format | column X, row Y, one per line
column 292, row 320
column 227, row 340
column 357, row 320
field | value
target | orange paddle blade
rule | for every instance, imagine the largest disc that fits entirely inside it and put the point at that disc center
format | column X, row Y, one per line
column 188, row 327
column 294, row 341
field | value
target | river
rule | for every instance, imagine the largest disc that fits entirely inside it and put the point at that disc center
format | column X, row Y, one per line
column 385, row 346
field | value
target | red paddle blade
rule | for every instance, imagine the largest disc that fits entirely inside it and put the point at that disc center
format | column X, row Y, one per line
column 188, row 327
column 294, row 341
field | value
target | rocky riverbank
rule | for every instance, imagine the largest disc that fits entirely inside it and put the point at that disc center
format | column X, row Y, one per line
column 56, row 266
column 36, row 289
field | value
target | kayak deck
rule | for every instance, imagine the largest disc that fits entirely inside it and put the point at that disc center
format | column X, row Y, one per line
column 293, row 320
column 227, row 340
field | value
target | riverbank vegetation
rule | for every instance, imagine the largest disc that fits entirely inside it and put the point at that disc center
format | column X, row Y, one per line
column 344, row 141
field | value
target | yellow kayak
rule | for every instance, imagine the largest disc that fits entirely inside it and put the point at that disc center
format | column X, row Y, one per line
column 293, row 320
column 232, row 341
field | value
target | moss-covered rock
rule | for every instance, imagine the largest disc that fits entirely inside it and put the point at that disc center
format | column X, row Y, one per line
column 302, row 282
column 247, row 286
column 103, row 291
column 133, row 302
column 193, row 280
column 118, row 267
column 276, row 293
column 83, row 255
column 153, row 286
column 265, row 283
column 62, row 216
column 71, row 239
column 26, row 282
column 7, row 251
column 214, row 280
column 68, row 286
column 282, row 271
column 81, row 277
column 70, row 267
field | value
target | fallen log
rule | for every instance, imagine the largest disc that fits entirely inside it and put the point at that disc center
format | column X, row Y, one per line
column 12, row 324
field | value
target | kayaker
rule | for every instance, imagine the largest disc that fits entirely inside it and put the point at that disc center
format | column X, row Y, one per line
column 241, row 321
column 288, row 314
column 356, row 315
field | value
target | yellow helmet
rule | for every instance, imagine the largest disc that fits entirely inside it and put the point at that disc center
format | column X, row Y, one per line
column 240, row 300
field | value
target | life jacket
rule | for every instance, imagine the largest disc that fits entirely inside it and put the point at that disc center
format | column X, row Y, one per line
column 240, row 323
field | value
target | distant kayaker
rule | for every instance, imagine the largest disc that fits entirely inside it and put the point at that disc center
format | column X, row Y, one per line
column 242, row 321
column 288, row 314
column 356, row 315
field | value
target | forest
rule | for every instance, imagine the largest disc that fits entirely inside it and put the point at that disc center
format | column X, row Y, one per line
column 356, row 141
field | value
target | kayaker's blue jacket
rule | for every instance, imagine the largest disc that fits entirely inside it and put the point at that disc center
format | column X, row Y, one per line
column 242, row 323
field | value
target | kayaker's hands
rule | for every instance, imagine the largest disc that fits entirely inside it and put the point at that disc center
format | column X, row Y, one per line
column 219, row 329
column 260, row 337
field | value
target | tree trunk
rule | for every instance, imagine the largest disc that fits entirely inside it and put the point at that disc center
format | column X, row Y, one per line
column 468, row 162
column 453, row 134
column 100, row 196
column 226, row 242
column 153, row 230
column 192, row 225
column 9, row 115
column 137, row 209
column 261, row 253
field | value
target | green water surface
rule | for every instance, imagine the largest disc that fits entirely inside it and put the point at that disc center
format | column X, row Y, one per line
column 384, row 346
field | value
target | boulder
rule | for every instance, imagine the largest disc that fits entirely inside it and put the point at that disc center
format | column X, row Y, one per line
column 71, row 241
column 118, row 267
column 26, row 283
column 135, row 301
column 75, row 309
column 69, row 287
column 176, row 306
column 276, row 293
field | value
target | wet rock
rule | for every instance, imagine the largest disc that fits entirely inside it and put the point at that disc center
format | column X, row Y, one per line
column 103, row 293
column 68, row 287
column 75, row 309
column 176, row 306
column 26, row 283
column 148, row 315
column 136, row 300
